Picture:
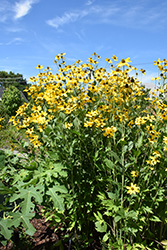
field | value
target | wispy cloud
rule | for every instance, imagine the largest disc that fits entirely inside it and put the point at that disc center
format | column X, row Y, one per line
column 126, row 15
column 66, row 18
column 14, row 29
column 22, row 8
column 5, row 11
column 80, row 34
column 89, row 2
column 16, row 40
column 72, row 17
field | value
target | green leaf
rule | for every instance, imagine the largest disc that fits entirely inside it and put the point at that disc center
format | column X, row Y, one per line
column 132, row 214
column 27, row 194
column 32, row 166
column 109, row 163
column 58, row 167
column 52, row 155
column 18, row 218
column 57, row 200
column 76, row 123
column 100, row 227
column 113, row 154
column 125, row 149
column 139, row 141
column 164, row 242
column 98, row 216
column 61, row 189
column 117, row 218
column 112, row 195
column 121, row 212
column 4, row 229
column 130, row 145
column 105, row 237
column 155, row 218
column 147, row 210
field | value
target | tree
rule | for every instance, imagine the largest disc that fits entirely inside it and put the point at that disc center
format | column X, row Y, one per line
column 17, row 80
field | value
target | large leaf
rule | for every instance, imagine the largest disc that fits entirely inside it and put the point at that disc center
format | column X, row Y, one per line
column 112, row 165
column 18, row 218
column 113, row 154
column 57, row 200
column 4, row 229
column 27, row 194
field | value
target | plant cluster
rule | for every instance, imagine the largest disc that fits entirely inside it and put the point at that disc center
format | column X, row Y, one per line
column 10, row 102
column 98, row 163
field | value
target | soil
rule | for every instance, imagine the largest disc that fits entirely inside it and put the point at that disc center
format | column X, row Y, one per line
column 44, row 238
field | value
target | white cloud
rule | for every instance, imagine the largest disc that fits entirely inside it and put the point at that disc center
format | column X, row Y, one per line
column 89, row 2
column 13, row 29
column 66, row 18
column 5, row 8
column 149, row 85
column 22, row 8
column 137, row 16
column 72, row 17
column 16, row 39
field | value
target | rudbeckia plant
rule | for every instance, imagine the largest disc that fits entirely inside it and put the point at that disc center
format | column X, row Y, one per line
column 98, row 159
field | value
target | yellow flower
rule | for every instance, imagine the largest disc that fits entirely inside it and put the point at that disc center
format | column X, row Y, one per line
column 153, row 160
column 36, row 108
column 114, row 58
column 36, row 143
column 135, row 173
column 88, row 124
column 165, row 140
column 68, row 125
column 130, row 123
column 108, row 60
column 157, row 154
column 133, row 189
column 29, row 131
column 1, row 119
column 39, row 67
column 109, row 131
column 124, row 62
column 12, row 118
column 140, row 120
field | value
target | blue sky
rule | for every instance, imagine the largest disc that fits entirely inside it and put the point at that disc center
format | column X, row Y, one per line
column 34, row 31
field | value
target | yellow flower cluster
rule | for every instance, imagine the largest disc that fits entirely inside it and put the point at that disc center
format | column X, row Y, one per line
column 104, row 98
column 108, row 132
column 154, row 159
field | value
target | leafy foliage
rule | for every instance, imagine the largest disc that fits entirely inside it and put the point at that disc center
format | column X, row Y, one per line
column 11, row 100
column 98, row 158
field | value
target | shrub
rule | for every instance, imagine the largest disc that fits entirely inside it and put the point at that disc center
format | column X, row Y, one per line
column 11, row 100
